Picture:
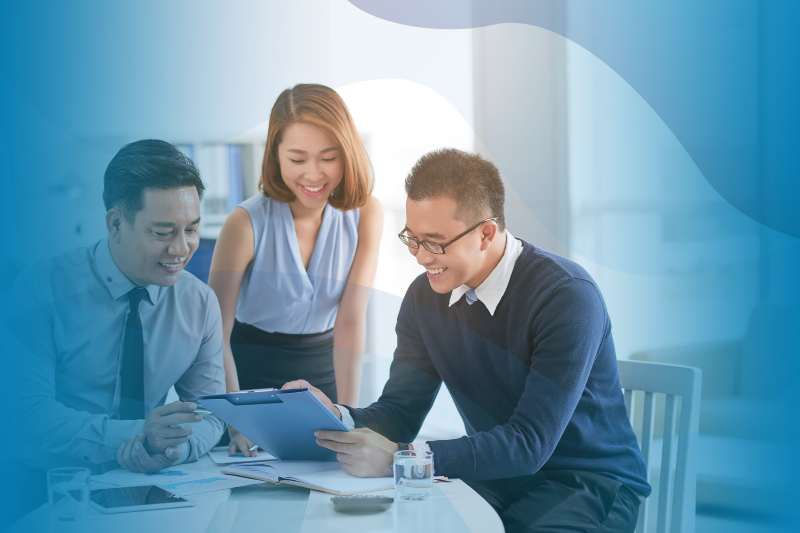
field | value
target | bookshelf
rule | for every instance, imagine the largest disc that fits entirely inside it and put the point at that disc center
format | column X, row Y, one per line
column 230, row 172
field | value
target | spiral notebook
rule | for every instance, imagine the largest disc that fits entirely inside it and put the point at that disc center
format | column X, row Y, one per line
column 325, row 476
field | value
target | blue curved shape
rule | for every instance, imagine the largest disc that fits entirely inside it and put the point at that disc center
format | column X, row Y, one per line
column 722, row 75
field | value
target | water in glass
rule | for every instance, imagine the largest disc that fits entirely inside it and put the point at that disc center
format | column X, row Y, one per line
column 68, row 492
column 413, row 474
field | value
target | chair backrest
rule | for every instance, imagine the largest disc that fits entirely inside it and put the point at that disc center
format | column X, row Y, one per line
column 676, row 497
column 200, row 264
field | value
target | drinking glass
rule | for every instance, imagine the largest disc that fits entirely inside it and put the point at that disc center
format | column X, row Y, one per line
column 413, row 474
column 68, row 492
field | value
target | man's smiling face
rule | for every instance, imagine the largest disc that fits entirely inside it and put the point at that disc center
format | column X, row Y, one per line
column 155, row 246
column 434, row 220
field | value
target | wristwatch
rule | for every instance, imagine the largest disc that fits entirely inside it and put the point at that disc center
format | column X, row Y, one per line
column 403, row 446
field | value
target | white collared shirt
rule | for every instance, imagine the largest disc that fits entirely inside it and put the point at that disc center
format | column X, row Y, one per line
column 489, row 292
column 494, row 286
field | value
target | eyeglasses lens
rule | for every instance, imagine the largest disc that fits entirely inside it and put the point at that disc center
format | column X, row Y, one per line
column 411, row 243
column 433, row 248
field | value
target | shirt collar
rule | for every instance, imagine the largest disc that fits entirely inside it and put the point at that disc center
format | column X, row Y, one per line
column 116, row 282
column 494, row 286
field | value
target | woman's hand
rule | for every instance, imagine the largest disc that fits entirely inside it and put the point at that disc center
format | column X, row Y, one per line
column 302, row 384
column 240, row 443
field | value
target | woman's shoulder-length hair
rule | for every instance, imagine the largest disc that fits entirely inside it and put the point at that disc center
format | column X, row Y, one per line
column 321, row 106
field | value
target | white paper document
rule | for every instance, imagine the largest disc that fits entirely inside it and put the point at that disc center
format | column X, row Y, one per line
column 125, row 478
column 208, row 484
column 221, row 457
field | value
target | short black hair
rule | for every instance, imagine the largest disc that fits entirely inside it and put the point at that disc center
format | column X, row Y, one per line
column 147, row 164
column 469, row 179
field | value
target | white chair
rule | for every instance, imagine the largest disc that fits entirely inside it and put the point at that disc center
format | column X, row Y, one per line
column 676, row 497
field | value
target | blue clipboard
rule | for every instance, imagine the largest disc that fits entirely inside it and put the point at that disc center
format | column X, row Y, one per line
column 281, row 422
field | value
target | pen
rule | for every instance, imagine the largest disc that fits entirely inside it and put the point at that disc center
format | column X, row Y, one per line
column 252, row 449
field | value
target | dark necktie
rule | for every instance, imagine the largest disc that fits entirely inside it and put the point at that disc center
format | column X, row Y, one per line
column 132, row 401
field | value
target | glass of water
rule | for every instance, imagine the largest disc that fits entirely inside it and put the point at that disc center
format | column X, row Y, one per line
column 68, row 492
column 413, row 474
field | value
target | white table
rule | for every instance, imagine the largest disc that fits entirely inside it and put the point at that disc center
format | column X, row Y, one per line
column 452, row 508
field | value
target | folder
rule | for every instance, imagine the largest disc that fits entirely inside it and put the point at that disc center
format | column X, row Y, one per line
column 281, row 422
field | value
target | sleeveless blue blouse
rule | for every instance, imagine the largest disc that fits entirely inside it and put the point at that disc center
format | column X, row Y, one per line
column 278, row 295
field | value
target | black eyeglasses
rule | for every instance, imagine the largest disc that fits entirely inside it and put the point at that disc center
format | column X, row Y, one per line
column 435, row 247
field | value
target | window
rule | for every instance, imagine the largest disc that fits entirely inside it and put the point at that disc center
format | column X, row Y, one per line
column 400, row 121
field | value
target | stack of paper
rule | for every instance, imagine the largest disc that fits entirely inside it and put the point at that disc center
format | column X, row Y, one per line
column 317, row 475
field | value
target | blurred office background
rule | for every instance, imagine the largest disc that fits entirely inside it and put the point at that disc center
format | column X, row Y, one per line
column 591, row 172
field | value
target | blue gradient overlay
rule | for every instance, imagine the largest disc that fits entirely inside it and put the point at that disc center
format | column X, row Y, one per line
column 712, row 84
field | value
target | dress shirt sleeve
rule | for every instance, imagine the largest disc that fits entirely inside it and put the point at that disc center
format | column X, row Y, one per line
column 421, row 446
column 412, row 386
column 206, row 376
column 567, row 338
column 38, row 419
column 347, row 419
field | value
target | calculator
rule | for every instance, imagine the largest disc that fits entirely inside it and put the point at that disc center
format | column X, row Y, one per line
column 361, row 503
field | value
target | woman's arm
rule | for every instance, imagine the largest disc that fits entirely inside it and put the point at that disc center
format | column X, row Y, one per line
column 233, row 252
column 350, row 328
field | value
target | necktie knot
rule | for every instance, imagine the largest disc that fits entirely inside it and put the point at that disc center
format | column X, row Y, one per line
column 135, row 296
column 471, row 297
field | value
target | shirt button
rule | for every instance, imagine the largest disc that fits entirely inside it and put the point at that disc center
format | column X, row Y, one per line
column 109, row 279
column 85, row 458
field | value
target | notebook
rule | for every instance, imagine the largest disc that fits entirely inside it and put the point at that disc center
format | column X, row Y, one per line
column 325, row 476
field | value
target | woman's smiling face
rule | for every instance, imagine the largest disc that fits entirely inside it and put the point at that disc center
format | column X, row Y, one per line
column 311, row 163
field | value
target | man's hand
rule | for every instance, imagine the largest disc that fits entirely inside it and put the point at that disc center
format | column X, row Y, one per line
column 132, row 456
column 159, row 426
column 240, row 443
column 301, row 383
column 362, row 452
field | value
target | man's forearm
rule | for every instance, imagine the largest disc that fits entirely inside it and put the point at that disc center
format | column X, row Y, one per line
column 66, row 432
column 206, row 435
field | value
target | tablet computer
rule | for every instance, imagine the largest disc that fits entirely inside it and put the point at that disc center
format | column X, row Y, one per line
column 281, row 422
column 127, row 499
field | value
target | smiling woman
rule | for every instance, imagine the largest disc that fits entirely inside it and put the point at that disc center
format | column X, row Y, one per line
column 294, row 264
column 311, row 124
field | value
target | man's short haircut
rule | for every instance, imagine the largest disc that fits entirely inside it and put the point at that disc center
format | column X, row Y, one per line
column 469, row 179
column 148, row 164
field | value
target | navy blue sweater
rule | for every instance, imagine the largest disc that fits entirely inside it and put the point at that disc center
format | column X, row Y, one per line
column 536, row 384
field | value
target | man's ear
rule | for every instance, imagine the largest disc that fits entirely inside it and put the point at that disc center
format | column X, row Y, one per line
column 488, row 234
column 114, row 220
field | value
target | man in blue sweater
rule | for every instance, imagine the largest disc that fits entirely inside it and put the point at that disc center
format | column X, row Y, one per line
column 522, row 339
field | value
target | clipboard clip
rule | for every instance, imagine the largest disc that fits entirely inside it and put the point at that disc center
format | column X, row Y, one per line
column 253, row 399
